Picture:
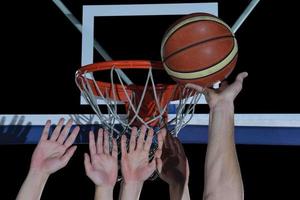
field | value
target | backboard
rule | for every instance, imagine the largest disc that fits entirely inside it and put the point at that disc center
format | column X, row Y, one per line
column 45, row 42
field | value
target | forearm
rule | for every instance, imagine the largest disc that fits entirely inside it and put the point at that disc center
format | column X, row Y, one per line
column 33, row 186
column 104, row 193
column 130, row 191
column 222, row 172
column 186, row 193
column 179, row 193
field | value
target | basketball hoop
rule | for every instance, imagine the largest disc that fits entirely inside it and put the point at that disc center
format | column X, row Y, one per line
column 145, row 104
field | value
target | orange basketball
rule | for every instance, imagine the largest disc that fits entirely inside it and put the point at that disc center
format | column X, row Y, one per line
column 199, row 48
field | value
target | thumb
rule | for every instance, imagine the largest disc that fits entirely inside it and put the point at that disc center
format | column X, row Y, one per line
column 67, row 156
column 195, row 87
column 241, row 76
column 237, row 85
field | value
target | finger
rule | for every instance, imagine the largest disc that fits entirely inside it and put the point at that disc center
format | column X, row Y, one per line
column 148, row 140
column 236, row 87
column 92, row 144
column 106, row 143
column 179, row 146
column 195, row 87
column 172, row 144
column 70, row 140
column 160, row 138
column 87, row 163
column 240, row 77
column 163, row 133
column 238, row 83
column 123, row 145
column 100, row 141
column 132, row 142
column 67, row 156
column 152, row 165
column 187, row 168
column 167, row 141
column 114, row 152
column 158, row 151
column 207, row 93
column 141, row 139
column 45, row 132
column 57, row 129
column 176, row 146
column 64, row 132
column 158, row 164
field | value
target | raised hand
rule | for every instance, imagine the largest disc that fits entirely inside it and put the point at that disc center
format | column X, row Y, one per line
column 102, row 165
column 135, row 163
column 49, row 156
column 226, row 93
column 54, row 153
column 173, row 167
column 222, row 172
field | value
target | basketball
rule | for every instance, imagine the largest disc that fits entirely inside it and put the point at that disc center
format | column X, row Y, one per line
column 199, row 48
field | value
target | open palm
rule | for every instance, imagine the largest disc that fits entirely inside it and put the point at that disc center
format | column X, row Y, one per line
column 102, row 165
column 53, row 154
column 173, row 166
column 135, row 163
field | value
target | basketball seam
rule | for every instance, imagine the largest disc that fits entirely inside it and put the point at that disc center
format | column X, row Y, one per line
column 197, row 43
column 169, row 71
column 208, row 74
column 189, row 21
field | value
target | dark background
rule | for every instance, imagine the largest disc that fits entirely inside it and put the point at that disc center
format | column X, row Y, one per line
column 41, row 52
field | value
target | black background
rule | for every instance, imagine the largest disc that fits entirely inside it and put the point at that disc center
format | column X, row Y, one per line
column 40, row 52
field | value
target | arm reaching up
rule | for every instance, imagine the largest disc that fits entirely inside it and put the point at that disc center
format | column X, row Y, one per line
column 49, row 156
column 222, row 172
column 135, row 165
column 173, row 167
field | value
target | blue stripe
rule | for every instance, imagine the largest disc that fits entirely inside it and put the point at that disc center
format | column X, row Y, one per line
column 190, row 134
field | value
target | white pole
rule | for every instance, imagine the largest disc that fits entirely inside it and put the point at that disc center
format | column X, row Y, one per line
column 97, row 46
column 244, row 15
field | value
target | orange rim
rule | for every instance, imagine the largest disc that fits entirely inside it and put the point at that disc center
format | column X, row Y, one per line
column 121, row 64
column 170, row 90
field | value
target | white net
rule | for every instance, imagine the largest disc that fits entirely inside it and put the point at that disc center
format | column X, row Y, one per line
column 136, row 99
column 150, row 98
